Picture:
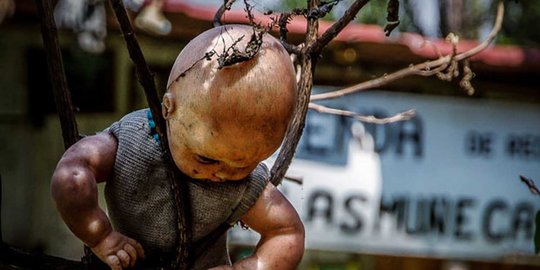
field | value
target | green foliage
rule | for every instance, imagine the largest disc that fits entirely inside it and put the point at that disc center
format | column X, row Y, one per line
column 290, row 4
column 520, row 22
column 476, row 17
column 373, row 13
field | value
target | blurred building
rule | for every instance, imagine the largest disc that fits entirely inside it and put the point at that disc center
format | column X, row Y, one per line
column 441, row 191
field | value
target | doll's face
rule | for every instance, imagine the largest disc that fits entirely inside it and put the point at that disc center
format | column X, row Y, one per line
column 218, row 154
column 223, row 121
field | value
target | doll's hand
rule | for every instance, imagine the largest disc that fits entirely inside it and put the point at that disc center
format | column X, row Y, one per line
column 118, row 251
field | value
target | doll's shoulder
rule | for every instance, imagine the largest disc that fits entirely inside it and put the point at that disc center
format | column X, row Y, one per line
column 136, row 120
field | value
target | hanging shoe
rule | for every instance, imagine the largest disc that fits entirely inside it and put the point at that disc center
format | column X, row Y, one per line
column 89, row 43
column 70, row 13
column 93, row 30
column 152, row 20
column 133, row 5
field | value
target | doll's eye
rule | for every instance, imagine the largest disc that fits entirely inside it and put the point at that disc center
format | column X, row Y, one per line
column 205, row 160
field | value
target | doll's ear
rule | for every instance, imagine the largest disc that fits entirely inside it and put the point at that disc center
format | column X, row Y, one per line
column 168, row 105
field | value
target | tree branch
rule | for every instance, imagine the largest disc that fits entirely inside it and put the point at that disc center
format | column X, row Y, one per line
column 465, row 82
column 227, row 4
column 322, row 9
column 294, row 132
column 178, row 179
column 392, row 19
column 530, row 184
column 424, row 69
column 145, row 77
column 62, row 96
column 402, row 116
column 334, row 30
column 249, row 13
column 282, row 21
column 294, row 179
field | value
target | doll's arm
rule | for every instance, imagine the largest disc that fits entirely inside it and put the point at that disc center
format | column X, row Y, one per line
column 74, row 190
column 282, row 233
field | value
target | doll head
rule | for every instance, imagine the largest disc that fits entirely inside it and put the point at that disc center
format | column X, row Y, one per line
column 223, row 121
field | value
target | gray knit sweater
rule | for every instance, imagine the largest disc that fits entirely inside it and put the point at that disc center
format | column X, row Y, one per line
column 140, row 200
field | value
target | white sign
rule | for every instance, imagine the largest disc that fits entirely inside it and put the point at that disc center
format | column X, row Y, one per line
column 445, row 183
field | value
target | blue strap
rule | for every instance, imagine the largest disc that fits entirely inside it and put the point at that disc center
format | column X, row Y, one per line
column 152, row 124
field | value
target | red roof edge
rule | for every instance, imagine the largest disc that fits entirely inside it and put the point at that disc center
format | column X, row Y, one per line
column 495, row 55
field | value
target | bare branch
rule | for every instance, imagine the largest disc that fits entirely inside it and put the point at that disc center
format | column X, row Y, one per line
column 291, row 49
column 226, row 6
column 530, row 184
column 424, row 69
column 228, row 58
column 282, row 21
column 465, row 82
column 177, row 178
column 334, row 30
column 451, row 67
column 492, row 35
column 249, row 12
column 392, row 18
column 294, row 132
column 402, row 116
column 294, row 179
column 313, row 13
column 62, row 95
column 321, row 10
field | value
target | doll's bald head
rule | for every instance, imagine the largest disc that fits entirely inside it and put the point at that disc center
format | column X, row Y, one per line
column 223, row 120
